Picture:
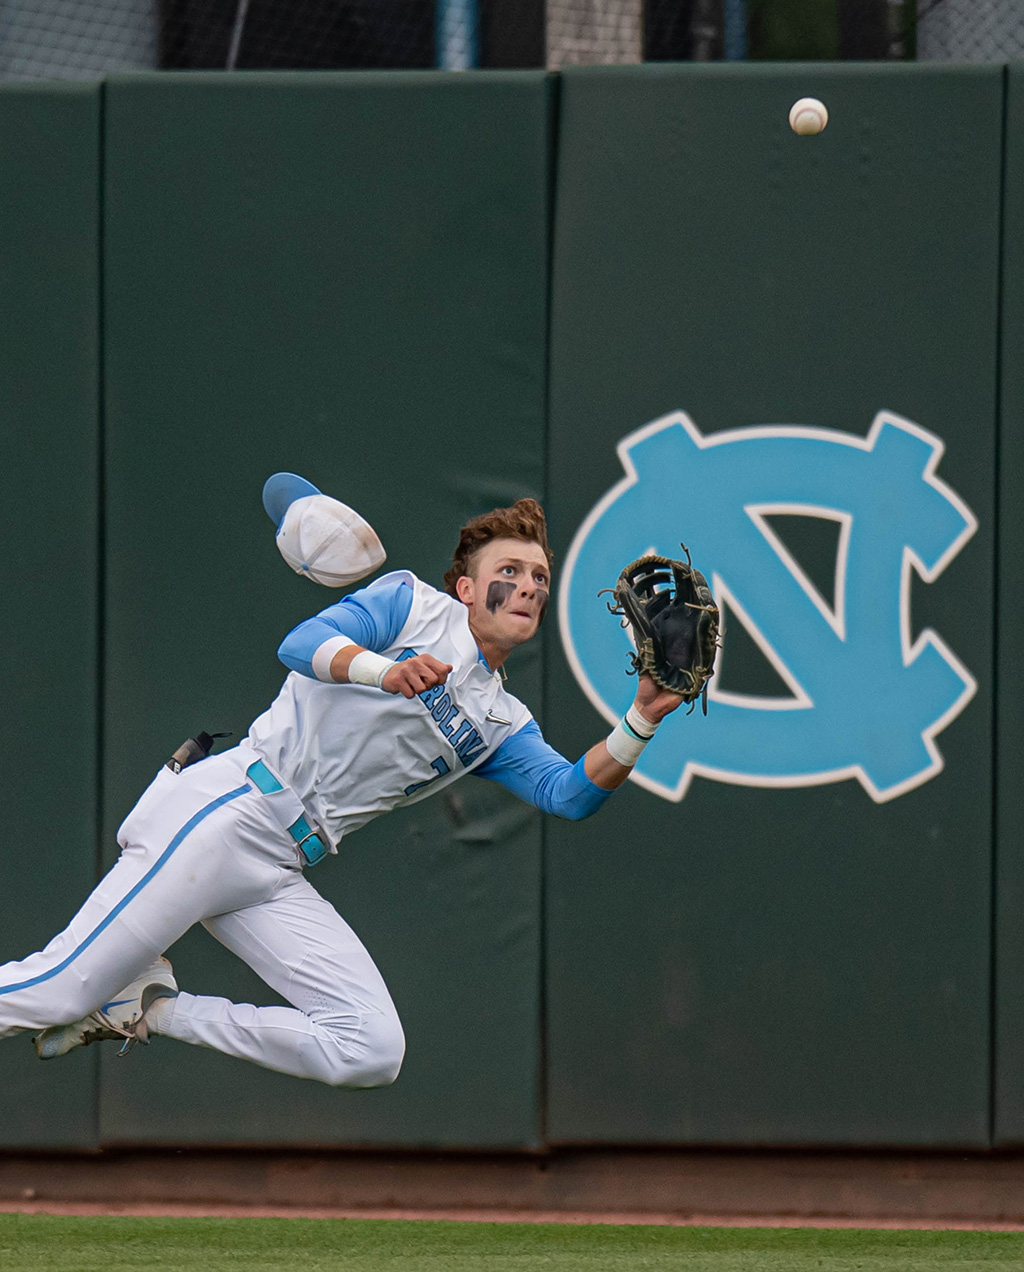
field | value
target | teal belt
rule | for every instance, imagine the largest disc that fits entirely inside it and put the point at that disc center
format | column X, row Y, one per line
column 311, row 845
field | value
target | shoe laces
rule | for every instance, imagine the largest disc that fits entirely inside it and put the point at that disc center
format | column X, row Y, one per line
column 102, row 1031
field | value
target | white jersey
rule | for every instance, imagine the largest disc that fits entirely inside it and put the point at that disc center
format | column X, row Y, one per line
column 352, row 752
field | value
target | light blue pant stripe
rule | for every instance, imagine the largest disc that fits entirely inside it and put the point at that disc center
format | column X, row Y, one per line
column 165, row 856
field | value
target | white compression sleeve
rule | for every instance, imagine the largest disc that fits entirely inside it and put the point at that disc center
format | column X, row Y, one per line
column 324, row 655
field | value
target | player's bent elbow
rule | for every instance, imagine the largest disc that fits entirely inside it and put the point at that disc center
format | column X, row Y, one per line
column 577, row 810
column 287, row 653
column 587, row 810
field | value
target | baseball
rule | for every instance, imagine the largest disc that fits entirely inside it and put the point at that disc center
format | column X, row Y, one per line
column 808, row 116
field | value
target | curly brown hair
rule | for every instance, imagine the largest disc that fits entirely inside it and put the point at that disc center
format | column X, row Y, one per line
column 524, row 520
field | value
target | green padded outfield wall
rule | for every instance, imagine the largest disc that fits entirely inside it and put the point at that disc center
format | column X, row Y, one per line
column 346, row 275
column 765, row 961
column 343, row 276
column 49, row 270
column 1009, row 1069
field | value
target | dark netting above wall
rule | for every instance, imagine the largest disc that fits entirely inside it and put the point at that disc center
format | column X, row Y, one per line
column 299, row 35
column 65, row 39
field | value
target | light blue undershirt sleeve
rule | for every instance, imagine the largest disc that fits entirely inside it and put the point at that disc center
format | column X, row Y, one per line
column 372, row 617
column 529, row 767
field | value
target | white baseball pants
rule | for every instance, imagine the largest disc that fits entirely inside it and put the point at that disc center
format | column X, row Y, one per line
column 204, row 846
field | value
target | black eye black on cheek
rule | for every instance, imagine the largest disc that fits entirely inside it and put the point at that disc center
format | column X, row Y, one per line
column 498, row 593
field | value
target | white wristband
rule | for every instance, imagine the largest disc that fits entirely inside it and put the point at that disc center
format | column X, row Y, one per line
column 627, row 740
column 368, row 668
column 639, row 724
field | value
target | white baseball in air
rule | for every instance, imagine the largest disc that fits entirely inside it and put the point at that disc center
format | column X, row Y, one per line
column 808, row 116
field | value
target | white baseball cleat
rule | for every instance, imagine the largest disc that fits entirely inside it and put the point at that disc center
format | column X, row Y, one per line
column 124, row 1017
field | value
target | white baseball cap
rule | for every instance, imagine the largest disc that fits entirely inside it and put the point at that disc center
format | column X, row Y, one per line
column 318, row 536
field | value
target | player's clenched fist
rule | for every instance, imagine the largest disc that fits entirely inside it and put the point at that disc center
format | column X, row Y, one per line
column 412, row 675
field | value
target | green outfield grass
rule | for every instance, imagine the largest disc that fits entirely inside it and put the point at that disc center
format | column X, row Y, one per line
column 31, row 1242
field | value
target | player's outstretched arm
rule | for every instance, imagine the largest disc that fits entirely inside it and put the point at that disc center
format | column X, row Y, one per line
column 608, row 764
column 532, row 769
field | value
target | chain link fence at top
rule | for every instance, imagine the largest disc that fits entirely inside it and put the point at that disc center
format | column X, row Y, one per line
column 970, row 30
column 83, row 39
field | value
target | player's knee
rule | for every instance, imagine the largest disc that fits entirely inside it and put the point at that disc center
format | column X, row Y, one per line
column 381, row 1056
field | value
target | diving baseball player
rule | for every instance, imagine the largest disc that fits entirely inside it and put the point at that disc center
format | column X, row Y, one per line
column 393, row 693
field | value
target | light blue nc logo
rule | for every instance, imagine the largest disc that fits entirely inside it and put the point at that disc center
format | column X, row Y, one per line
column 866, row 700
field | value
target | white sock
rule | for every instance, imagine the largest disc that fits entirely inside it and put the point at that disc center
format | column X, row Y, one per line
column 158, row 1017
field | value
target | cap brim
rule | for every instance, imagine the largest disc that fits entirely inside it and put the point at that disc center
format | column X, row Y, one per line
column 281, row 490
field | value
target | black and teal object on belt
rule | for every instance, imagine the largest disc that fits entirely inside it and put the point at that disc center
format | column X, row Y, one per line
column 311, row 845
